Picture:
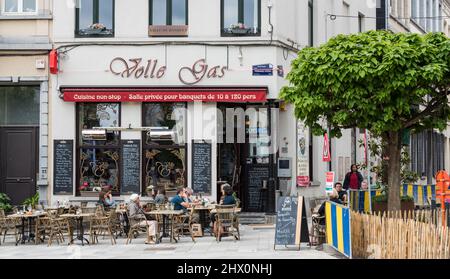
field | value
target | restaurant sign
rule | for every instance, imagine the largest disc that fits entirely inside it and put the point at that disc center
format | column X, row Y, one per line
column 140, row 68
column 154, row 95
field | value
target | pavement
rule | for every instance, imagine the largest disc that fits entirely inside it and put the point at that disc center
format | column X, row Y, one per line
column 256, row 243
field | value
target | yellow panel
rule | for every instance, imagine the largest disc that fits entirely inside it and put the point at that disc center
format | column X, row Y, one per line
column 340, row 230
column 329, row 226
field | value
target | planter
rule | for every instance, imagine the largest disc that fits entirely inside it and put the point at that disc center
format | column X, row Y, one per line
column 382, row 206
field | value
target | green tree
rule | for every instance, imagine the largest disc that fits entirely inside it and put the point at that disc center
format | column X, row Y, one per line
column 381, row 81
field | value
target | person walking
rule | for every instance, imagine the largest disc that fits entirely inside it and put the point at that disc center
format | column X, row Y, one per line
column 353, row 179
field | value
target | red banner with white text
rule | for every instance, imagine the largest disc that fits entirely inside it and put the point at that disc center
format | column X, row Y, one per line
column 86, row 95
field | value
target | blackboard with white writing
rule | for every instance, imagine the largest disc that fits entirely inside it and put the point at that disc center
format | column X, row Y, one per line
column 255, row 175
column 131, row 165
column 63, row 167
column 201, row 167
column 291, row 226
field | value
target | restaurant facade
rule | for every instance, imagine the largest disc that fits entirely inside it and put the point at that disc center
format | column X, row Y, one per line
column 164, row 100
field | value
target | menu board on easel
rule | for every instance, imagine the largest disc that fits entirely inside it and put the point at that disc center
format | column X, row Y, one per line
column 291, row 226
column 63, row 167
column 201, row 167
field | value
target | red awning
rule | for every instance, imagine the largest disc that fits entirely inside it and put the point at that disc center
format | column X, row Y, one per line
column 243, row 95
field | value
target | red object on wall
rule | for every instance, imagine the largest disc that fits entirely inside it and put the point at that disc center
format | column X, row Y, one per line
column 53, row 62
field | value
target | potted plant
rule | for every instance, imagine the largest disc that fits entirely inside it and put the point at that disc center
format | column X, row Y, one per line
column 5, row 203
column 379, row 203
column 32, row 201
column 239, row 28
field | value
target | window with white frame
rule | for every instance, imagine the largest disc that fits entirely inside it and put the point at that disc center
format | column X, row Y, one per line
column 14, row 7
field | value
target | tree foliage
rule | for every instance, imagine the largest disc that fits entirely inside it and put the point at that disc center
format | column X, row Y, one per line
column 378, row 80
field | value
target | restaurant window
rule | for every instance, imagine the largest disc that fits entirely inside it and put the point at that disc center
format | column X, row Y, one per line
column 241, row 17
column 98, row 149
column 19, row 6
column 168, row 12
column 94, row 18
column 168, row 18
column 257, row 130
column 164, row 146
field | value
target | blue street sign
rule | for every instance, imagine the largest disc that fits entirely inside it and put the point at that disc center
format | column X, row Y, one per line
column 263, row 70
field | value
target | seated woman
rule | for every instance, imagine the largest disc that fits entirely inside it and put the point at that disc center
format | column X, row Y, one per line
column 161, row 197
column 106, row 199
column 227, row 199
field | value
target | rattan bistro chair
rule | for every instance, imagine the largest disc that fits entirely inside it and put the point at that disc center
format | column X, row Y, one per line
column 226, row 222
column 183, row 224
column 102, row 223
column 136, row 226
column 8, row 224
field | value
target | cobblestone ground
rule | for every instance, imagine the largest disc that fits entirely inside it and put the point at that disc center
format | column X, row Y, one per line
column 256, row 242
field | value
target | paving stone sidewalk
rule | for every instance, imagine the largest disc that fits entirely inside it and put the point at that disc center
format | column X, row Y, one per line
column 256, row 242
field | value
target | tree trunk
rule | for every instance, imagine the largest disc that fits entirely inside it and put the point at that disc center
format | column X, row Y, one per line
column 394, row 149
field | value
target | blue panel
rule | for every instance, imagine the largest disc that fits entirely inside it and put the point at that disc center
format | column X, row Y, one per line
column 433, row 192
column 415, row 193
column 334, row 225
column 361, row 201
column 405, row 189
column 346, row 233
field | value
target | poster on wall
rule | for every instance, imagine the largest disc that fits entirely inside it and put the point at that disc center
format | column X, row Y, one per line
column 303, row 178
column 329, row 182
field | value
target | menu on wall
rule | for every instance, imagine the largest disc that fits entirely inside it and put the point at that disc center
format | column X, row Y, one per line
column 256, row 174
column 131, row 165
column 63, row 167
column 201, row 167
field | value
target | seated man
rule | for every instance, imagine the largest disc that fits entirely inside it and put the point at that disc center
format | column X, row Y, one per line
column 342, row 194
column 179, row 201
column 137, row 214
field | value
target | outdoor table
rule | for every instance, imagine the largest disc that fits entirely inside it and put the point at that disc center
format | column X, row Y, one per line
column 26, row 218
column 166, row 214
column 204, row 214
column 80, row 228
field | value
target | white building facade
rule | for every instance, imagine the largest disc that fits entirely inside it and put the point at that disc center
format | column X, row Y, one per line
column 125, row 68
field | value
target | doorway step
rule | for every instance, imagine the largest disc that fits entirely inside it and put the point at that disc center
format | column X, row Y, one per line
column 252, row 218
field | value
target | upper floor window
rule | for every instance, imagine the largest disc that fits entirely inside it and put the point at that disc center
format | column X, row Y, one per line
column 95, row 18
column 168, row 17
column 20, row 6
column 241, row 17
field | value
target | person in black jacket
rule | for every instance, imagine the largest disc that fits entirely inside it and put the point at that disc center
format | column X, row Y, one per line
column 353, row 179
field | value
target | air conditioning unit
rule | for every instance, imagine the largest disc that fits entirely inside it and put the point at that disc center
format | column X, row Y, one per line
column 93, row 134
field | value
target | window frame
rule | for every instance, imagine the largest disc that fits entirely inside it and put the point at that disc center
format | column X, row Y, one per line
column 79, row 146
column 146, row 147
column 95, row 19
column 241, row 17
column 169, row 15
column 19, row 9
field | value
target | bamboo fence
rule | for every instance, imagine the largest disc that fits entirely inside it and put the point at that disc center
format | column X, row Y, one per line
column 395, row 235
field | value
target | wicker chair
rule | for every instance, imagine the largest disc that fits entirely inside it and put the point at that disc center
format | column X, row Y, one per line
column 226, row 222
column 135, row 227
column 8, row 224
column 102, row 223
column 56, row 226
column 183, row 224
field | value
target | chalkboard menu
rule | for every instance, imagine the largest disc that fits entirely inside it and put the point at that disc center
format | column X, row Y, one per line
column 131, row 165
column 255, row 175
column 292, row 225
column 201, row 167
column 63, row 167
